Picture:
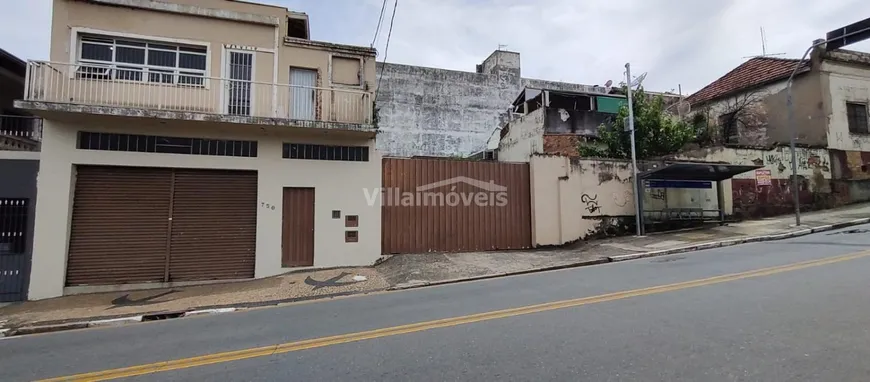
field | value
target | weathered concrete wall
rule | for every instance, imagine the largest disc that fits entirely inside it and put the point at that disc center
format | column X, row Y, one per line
column 845, row 84
column 751, row 200
column 810, row 115
column 575, row 198
column 762, row 114
column 438, row 112
column 524, row 136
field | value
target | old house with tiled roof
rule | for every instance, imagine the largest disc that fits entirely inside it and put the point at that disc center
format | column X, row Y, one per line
column 746, row 113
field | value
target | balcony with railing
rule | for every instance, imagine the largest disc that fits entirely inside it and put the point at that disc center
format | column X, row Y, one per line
column 20, row 133
column 109, row 89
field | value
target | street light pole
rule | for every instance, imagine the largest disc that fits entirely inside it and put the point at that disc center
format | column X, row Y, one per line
column 637, row 209
column 790, row 106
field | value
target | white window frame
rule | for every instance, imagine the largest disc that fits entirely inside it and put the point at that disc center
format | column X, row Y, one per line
column 76, row 41
column 362, row 71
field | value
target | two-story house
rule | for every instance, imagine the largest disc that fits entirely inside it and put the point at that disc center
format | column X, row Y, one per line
column 198, row 140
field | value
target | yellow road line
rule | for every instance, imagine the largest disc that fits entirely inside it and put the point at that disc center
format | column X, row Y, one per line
column 442, row 323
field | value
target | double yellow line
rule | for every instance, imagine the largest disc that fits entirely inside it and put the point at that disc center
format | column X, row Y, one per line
column 210, row 359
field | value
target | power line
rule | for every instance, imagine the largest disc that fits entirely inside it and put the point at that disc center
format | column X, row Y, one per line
column 380, row 20
column 386, row 48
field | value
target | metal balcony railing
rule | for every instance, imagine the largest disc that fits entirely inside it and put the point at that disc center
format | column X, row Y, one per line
column 112, row 86
column 20, row 133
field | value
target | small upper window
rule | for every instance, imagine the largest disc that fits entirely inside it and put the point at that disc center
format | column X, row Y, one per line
column 297, row 27
column 856, row 113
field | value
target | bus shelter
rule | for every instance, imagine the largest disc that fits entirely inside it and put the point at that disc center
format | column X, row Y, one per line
column 685, row 192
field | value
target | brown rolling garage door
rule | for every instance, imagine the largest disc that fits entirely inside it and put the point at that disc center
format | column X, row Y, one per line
column 121, row 231
column 119, row 222
column 214, row 225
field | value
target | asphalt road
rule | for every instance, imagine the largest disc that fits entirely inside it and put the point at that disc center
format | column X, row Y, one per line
column 662, row 319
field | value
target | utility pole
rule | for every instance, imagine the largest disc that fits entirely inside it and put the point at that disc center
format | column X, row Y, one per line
column 637, row 209
column 838, row 38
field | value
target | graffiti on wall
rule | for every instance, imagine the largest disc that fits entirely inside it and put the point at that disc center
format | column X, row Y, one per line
column 591, row 202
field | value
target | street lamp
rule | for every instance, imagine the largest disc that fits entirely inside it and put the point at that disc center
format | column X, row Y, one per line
column 838, row 38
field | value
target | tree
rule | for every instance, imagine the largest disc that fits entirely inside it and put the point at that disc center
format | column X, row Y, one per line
column 656, row 132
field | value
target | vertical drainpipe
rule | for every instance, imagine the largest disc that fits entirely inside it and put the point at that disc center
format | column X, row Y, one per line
column 275, row 69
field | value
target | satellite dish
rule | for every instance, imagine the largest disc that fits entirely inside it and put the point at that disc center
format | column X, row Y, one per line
column 637, row 81
column 608, row 84
column 683, row 107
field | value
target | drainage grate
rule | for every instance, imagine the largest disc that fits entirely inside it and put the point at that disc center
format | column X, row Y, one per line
column 162, row 316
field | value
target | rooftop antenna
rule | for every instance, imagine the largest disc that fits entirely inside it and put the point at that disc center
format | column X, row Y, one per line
column 764, row 46
column 502, row 46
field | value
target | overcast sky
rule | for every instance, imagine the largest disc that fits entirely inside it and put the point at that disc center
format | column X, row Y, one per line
column 679, row 42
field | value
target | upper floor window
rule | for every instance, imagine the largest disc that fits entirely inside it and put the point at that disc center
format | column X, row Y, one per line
column 856, row 113
column 140, row 60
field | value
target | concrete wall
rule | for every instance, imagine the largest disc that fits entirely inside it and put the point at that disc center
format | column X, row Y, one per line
column 523, row 138
column 846, row 83
column 338, row 186
column 763, row 113
column 751, row 200
column 437, row 112
column 576, row 198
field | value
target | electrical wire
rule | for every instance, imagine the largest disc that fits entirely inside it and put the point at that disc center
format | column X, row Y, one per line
column 380, row 21
column 386, row 48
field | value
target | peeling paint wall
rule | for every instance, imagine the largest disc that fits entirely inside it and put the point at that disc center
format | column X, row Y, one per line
column 575, row 198
column 762, row 114
column 524, row 137
column 752, row 200
column 437, row 112
column 846, row 84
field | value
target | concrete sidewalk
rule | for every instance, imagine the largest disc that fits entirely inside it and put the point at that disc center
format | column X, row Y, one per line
column 398, row 272
column 406, row 271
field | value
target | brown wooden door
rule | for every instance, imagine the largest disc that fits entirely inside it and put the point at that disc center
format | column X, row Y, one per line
column 297, row 241
column 214, row 225
column 119, row 225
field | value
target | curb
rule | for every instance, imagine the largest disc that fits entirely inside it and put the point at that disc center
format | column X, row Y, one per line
column 47, row 327
column 751, row 239
column 602, row 260
column 37, row 329
column 634, row 256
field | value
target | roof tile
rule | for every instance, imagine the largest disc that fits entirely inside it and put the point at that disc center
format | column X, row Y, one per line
column 756, row 71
